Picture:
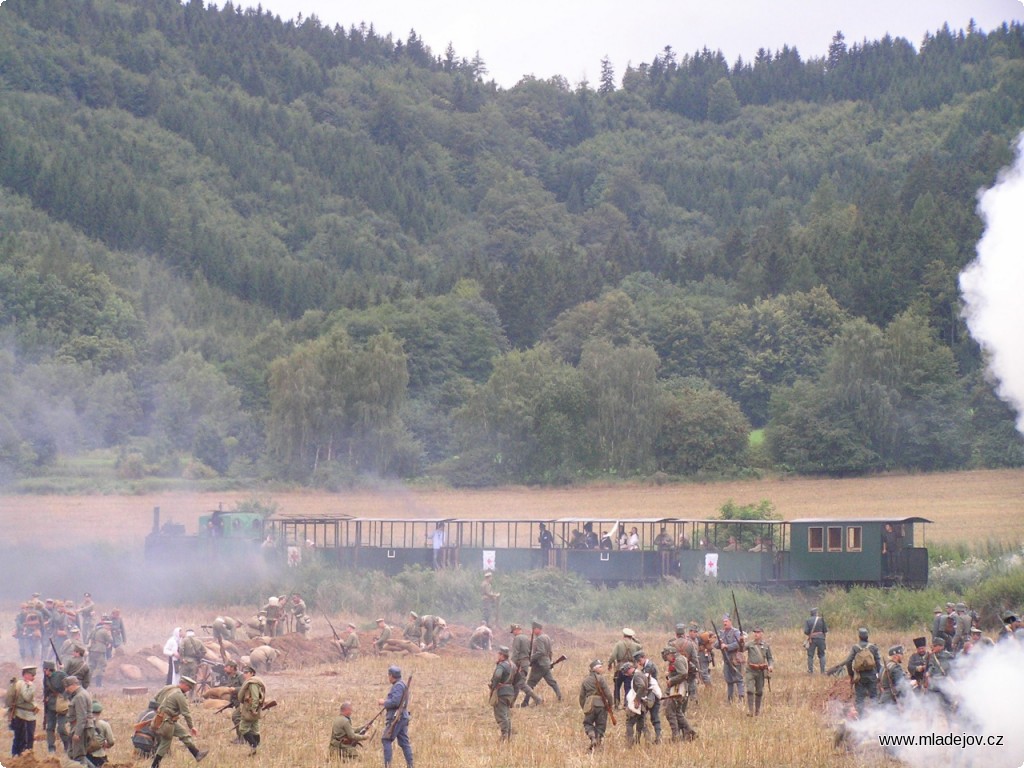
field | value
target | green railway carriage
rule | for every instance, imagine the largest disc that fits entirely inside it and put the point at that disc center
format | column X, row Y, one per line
column 634, row 550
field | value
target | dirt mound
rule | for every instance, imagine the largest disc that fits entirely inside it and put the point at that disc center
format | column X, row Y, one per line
column 563, row 638
column 299, row 651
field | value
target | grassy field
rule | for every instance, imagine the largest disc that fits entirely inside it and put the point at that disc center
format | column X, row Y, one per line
column 452, row 724
column 966, row 506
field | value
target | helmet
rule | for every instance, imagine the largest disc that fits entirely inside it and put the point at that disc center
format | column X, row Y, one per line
column 394, row 671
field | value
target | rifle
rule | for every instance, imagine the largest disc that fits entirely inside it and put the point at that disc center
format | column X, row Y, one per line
column 739, row 621
column 341, row 648
column 604, row 700
column 55, row 654
column 725, row 655
column 366, row 726
column 264, row 708
column 232, row 703
column 403, row 705
column 558, row 661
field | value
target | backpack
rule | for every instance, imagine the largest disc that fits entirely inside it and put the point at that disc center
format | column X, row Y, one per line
column 144, row 740
column 864, row 660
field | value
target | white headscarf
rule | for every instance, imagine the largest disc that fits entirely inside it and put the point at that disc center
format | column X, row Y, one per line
column 171, row 646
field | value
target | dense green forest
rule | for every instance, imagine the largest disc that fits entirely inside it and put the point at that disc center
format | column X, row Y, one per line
column 237, row 246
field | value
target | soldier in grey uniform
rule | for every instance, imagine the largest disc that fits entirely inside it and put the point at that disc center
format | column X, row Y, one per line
column 79, row 712
column 651, row 671
column 503, row 692
column 540, row 661
column 643, row 700
column 815, row 630
column 76, row 665
column 55, row 707
column 893, row 683
column 731, row 643
column 680, row 672
column 521, row 660
column 595, row 698
column 759, row 669
column 87, row 615
column 100, row 645
column 865, row 681
column 917, row 666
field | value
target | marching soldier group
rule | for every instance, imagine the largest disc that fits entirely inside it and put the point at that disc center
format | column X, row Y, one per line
column 45, row 628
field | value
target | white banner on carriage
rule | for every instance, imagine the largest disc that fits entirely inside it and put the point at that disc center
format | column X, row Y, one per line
column 490, row 556
column 711, row 564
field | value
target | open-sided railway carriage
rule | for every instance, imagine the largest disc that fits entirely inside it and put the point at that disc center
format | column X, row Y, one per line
column 882, row 551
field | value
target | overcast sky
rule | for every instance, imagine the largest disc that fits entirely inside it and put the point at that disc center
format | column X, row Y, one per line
column 569, row 37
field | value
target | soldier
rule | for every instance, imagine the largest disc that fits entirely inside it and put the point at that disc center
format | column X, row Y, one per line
column 76, row 665
column 172, row 706
column 412, row 628
column 104, row 737
column 917, row 666
column 86, row 616
column 488, row 597
column 680, row 672
column 978, row 641
column 964, row 622
column 274, row 612
column 862, row 665
column 384, row 635
column 503, row 692
column 939, row 663
column 815, row 630
column 595, row 701
column 67, row 648
column 705, row 658
column 71, row 616
column 56, row 624
column 521, row 649
column 256, row 626
column 29, row 627
column 759, row 669
column 540, row 661
column 345, row 740
column 79, row 712
column 481, row 638
column 223, row 628
column 263, row 657
column 21, row 711
column 117, row 629
column 251, row 698
column 622, row 652
column 192, row 652
column 297, row 609
column 687, row 662
column 232, row 678
column 100, row 645
column 444, row 635
column 643, row 699
column 397, row 718
column 731, row 643
column 55, row 707
column 350, row 643
column 428, row 626
column 651, row 671
column 893, row 683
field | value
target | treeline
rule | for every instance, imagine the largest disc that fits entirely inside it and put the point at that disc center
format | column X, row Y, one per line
column 242, row 246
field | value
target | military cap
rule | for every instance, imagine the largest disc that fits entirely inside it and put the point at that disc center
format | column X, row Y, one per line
column 74, row 630
column 414, row 614
column 694, row 626
column 249, row 668
column 394, row 671
column 488, row 574
column 50, row 600
column 104, row 619
column 815, row 611
column 86, row 594
column 35, row 594
column 190, row 682
column 938, row 641
column 759, row 629
column 627, row 632
column 950, row 605
column 975, row 630
column 514, row 627
column 350, row 625
column 503, row 650
column 680, row 627
column 862, row 633
column 536, row 625
column 69, row 603
column 640, row 654
column 29, row 668
column 726, row 617
column 1009, row 618
column 231, row 663
column 379, row 621
column 625, row 667
column 96, row 707
column 961, row 606
column 72, row 680
column 595, row 664
column 896, row 649
column 936, row 609
column 49, row 665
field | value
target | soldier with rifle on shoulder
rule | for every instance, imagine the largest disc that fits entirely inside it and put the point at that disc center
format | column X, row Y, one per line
column 596, row 703
column 522, row 649
column 396, row 704
column 502, row 692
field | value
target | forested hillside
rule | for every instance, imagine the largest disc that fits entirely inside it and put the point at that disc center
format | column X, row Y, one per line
column 233, row 245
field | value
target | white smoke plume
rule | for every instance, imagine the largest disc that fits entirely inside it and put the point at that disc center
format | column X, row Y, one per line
column 986, row 689
column 993, row 284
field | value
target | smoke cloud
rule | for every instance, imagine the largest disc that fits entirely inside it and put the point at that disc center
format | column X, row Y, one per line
column 993, row 284
column 985, row 686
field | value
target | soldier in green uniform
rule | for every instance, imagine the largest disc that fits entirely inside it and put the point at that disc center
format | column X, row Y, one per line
column 622, row 652
column 21, row 710
column 87, row 616
column 639, row 699
column 345, row 740
column 192, row 652
column 863, row 675
column 595, row 700
column 350, row 643
column 67, row 648
column 412, row 628
column 76, row 665
column 893, row 683
column 541, row 660
column 251, row 698
column 100, row 644
column 55, row 707
column 488, row 597
column 299, row 614
column 682, row 664
column 503, row 693
column 79, row 712
column 104, row 737
column 223, row 628
column 521, row 660
column 117, row 628
column 232, row 678
column 428, row 628
column 172, row 707
column 383, row 635
column 759, row 669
